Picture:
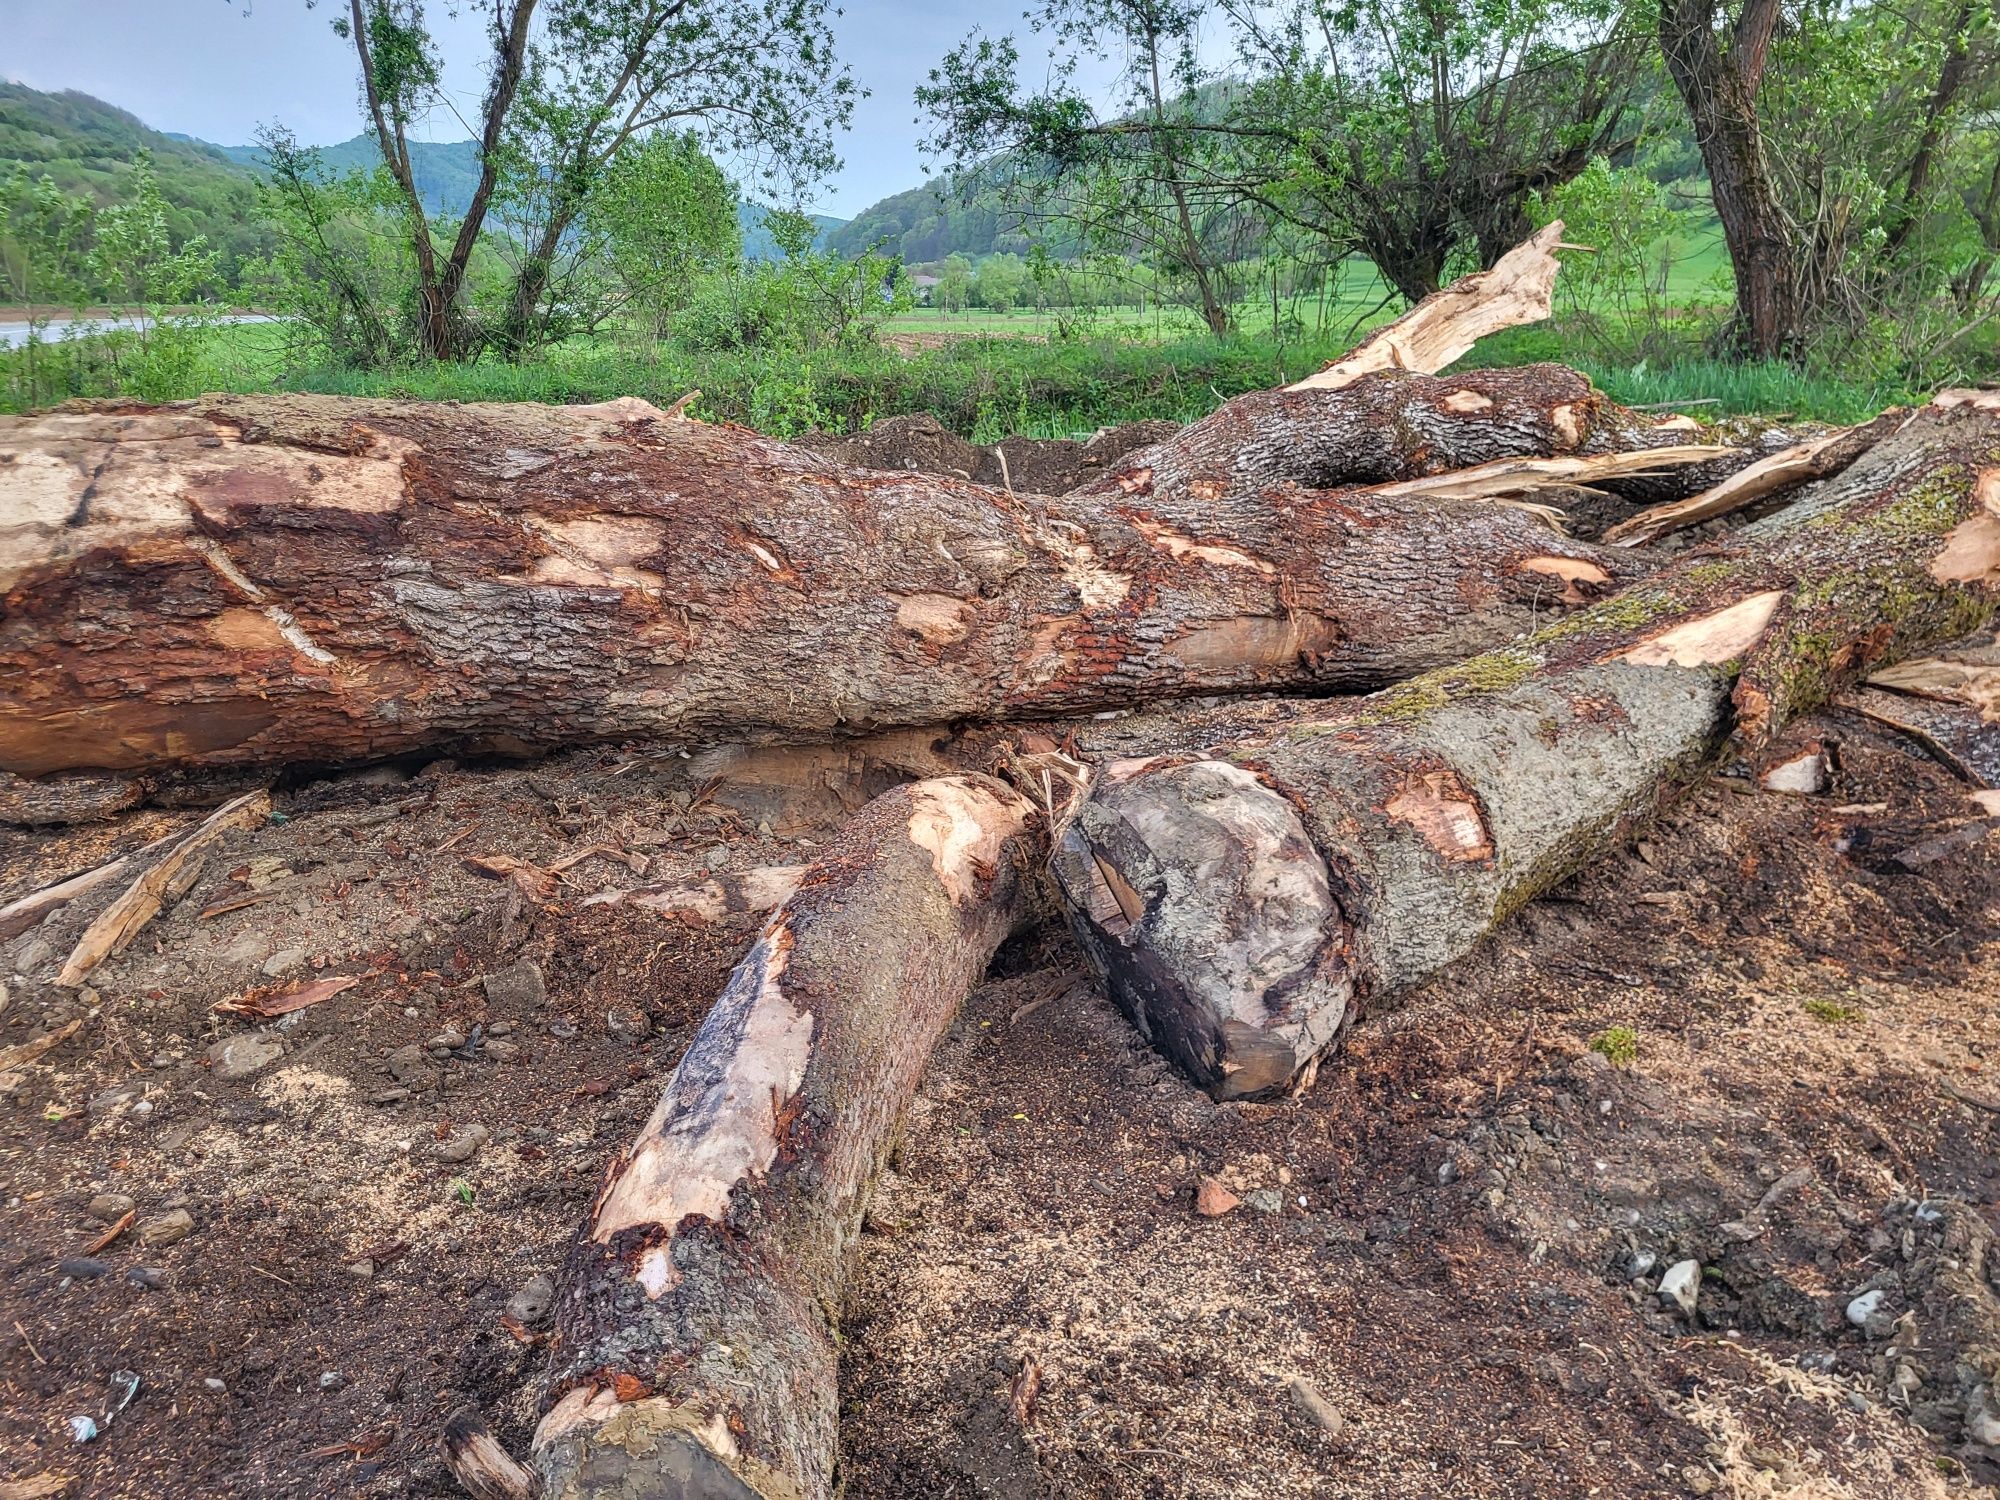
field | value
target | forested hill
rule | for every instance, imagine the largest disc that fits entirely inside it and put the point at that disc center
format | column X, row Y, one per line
column 88, row 147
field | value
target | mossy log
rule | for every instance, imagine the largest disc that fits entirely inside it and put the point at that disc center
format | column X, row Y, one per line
column 1243, row 902
column 695, row 1323
column 242, row 581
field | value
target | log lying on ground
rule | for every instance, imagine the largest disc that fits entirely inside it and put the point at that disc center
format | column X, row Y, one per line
column 694, row 1351
column 317, row 580
column 1242, row 903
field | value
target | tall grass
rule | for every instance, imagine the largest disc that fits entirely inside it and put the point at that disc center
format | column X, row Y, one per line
column 986, row 388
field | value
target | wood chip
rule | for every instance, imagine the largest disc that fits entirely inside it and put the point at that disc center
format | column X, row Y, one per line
column 118, row 1227
column 270, row 1001
column 147, row 896
column 26, row 1052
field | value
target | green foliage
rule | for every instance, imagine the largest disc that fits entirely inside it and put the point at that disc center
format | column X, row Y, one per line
column 1832, row 1012
column 1619, row 1045
column 667, row 215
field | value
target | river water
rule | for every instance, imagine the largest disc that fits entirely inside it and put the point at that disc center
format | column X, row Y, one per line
column 13, row 335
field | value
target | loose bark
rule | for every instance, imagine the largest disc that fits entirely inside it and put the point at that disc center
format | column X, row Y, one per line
column 695, row 1351
column 317, row 580
column 1242, row 903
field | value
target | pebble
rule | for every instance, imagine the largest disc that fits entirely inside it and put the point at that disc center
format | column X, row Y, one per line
column 500, row 1028
column 389, row 1096
column 409, row 1065
column 167, row 1229
column 520, row 987
column 108, row 1207
column 1983, row 1427
column 360, row 1270
column 1266, row 1200
column 503, row 1052
column 283, row 962
column 562, row 1031
column 532, row 1302
column 450, row 1039
column 150, row 1278
column 331, row 1380
column 1212, row 1200
column 1314, row 1407
column 83, row 1267
column 463, row 1143
column 1682, row 1284
column 111, row 1100
column 214, row 1385
column 238, row 1057
column 628, row 1023
column 1865, row 1311
column 1642, row 1264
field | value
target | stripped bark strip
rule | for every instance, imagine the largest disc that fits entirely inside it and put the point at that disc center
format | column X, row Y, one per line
column 1242, row 903
column 695, row 1325
column 320, row 580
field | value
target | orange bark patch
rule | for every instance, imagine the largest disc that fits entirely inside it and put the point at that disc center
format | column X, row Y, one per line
column 1568, row 423
column 1444, row 812
column 1466, row 402
column 940, row 619
column 1971, row 551
column 1572, row 572
column 1136, row 482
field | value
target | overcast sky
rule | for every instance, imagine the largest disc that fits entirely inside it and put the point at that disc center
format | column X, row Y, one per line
column 207, row 68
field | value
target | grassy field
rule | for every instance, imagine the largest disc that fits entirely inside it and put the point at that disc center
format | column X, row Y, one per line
column 988, row 386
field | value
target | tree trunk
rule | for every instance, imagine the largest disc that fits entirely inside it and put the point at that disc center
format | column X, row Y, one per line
column 695, row 1348
column 317, row 580
column 1241, row 904
column 1720, row 90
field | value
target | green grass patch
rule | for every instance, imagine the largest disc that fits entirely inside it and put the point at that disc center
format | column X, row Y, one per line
column 1619, row 1045
column 1833, row 1012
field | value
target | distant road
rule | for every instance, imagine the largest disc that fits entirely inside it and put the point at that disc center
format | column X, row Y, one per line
column 13, row 335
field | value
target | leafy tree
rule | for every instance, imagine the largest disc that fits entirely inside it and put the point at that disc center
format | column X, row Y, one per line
column 570, row 84
column 953, row 291
column 43, row 266
column 666, row 214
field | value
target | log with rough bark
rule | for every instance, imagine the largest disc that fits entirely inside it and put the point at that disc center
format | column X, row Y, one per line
column 1242, row 902
column 695, row 1347
column 317, row 580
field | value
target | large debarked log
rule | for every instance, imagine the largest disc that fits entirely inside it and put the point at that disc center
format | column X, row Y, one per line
column 292, row 579
column 1241, row 903
column 695, row 1326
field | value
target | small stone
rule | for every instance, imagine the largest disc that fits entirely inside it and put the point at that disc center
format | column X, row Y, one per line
column 283, row 962
column 500, row 1028
column 463, row 1143
column 108, row 1207
column 1212, row 1200
column 83, row 1268
column 519, row 987
column 716, row 858
column 389, row 1096
column 1266, row 1200
column 450, row 1039
column 1867, row 1313
column 1982, row 1425
column 562, row 1030
column 409, row 1065
column 331, row 1380
column 238, row 1057
column 532, row 1302
column 150, row 1278
column 119, row 1096
column 503, row 1052
column 360, row 1270
column 1642, row 1264
column 628, row 1023
column 1682, row 1284
column 214, row 1385
column 1314, row 1407
column 167, row 1229
column 1448, row 1173
column 1698, row 1482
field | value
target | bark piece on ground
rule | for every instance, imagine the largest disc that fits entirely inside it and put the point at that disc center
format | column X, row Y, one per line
column 1518, row 289
column 695, row 1325
column 156, row 885
column 320, row 580
column 1241, row 903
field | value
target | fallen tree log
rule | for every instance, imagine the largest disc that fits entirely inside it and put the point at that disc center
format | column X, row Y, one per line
column 316, row 580
column 1241, row 903
column 695, row 1350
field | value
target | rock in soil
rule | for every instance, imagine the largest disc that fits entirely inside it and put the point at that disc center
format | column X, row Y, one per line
column 463, row 1143
column 238, row 1057
column 168, row 1229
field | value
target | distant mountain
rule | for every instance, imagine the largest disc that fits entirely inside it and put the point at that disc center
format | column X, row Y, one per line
column 88, row 147
column 930, row 222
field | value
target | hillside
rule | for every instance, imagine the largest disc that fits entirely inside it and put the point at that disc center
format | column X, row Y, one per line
column 88, row 147
column 930, row 222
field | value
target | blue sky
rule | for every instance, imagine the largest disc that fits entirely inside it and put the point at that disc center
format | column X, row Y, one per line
column 218, row 69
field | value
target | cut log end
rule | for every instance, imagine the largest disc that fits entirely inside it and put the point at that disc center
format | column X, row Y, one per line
column 656, row 1450
column 1201, row 900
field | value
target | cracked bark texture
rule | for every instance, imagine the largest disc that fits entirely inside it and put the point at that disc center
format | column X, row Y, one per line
column 319, row 580
column 1242, row 902
column 695, row 1348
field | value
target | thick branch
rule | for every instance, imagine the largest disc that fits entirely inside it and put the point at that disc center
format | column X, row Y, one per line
column 695, row 1325
column 1241, row 904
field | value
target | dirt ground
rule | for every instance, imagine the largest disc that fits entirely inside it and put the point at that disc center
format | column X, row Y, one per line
column 1755, row 1042
column 1444, row 1237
